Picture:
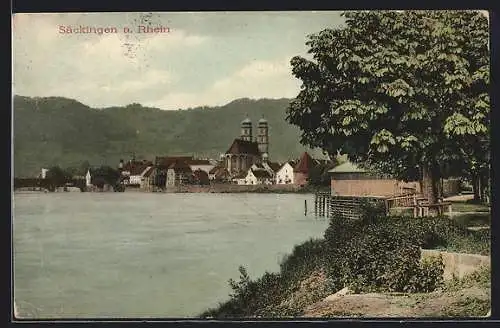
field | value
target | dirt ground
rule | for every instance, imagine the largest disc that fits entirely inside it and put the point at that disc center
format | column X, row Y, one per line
column 463, row 303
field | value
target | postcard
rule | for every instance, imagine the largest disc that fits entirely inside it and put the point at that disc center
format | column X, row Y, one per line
column 251, row 165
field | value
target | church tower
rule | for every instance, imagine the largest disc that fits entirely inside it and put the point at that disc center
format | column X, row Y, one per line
column 263, row 138
column 246, row 129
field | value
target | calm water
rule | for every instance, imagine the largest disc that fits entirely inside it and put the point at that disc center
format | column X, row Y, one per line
column 146, row 254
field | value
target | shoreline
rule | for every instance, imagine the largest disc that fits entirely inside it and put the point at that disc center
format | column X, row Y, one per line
column 215, row 188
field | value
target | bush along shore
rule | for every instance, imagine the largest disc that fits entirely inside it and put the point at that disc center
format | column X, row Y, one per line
column 376, row 254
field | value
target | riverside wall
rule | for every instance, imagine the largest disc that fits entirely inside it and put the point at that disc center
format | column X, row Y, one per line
column 458, row 264
column 233, row 188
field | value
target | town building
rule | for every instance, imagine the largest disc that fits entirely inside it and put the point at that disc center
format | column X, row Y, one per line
column 147, row 181
column 285, row 174
column 258, row 176
column 349, row 179
column 302, row 169
column 88, row 179
column 245, row 151
column 43, row 173
column 161, row 164
column 219, row 173
column 200, row 164
column 178, row 173
column 133, row 172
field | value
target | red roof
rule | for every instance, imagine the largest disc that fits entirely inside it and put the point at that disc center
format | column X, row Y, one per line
column 219, row 172
column 240, row 146
column 261, row 174
column 136, row 167
column 149, row 172
column 166, row 161
column 180, row 166
column 274, row 166
column 199, row 162
column 305, row 163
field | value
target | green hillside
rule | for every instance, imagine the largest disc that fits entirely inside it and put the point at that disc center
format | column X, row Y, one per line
column 59, row 131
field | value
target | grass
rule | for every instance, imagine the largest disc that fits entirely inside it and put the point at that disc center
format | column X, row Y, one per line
column 480, row 278
column 372, row 254
column 473, row 219
column 468, row 307
column 457, row 206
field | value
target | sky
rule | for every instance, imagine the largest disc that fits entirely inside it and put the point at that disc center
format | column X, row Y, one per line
column 201, row 59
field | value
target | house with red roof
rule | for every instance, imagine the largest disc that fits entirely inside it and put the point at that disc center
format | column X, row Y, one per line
column 147, row 181
column 218, row 173
column 302, row 169
column 178, row 173
column 133, row 172
column 258, row 176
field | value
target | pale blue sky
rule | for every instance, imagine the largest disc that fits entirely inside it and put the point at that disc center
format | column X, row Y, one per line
column 206, row 59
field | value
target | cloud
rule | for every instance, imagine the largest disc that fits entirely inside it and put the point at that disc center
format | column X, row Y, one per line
column 106, row 69
column 204, row 59
column 257, row 79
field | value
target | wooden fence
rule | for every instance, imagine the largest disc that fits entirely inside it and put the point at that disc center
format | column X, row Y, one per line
column 326, row 205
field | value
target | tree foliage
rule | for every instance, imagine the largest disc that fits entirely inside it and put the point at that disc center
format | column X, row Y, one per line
column 397, row 90
column 105, row 175
column 57, row 176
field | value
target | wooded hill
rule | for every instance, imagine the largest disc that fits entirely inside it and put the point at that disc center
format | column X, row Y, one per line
column 59, row 131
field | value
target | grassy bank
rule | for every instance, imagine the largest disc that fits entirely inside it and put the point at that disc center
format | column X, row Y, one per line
column 375, row 254
column 466, row 297
column 469, row 206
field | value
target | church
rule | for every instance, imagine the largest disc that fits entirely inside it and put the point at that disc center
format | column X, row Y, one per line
column 246, row 151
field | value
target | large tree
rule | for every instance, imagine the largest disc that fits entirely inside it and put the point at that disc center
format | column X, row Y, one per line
column 406, row 92
column 57, row 177
column 105, row 175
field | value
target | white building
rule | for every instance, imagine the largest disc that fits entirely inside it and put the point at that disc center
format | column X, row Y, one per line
column 285, row 174
column 88, row 179
column 43, row 175
column 138, row 177
column 254, row 176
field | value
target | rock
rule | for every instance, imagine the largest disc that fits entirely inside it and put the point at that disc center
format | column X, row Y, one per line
column 344, row 291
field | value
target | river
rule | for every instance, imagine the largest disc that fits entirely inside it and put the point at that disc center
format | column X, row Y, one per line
column 143, row 255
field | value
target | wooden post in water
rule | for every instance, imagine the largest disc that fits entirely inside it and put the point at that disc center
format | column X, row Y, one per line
column 328, row 201
column 316, row 204
column 323, row 203
column 305, row 207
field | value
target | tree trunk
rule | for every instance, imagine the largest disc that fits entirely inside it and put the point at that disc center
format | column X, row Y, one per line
column 483, row 187
column 475, row 187
column 431, row 181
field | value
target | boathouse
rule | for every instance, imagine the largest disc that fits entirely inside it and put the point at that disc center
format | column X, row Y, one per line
column 348, row 179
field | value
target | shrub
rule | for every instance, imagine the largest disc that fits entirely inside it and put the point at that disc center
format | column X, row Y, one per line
column 480, row 278
column 376, row 257
column 304, row 259
column 374, row 253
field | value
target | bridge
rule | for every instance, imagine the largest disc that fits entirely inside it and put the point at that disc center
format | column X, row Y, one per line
column 47, row 184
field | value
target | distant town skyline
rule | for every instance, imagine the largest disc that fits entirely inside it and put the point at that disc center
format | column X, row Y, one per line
column 164, row 60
